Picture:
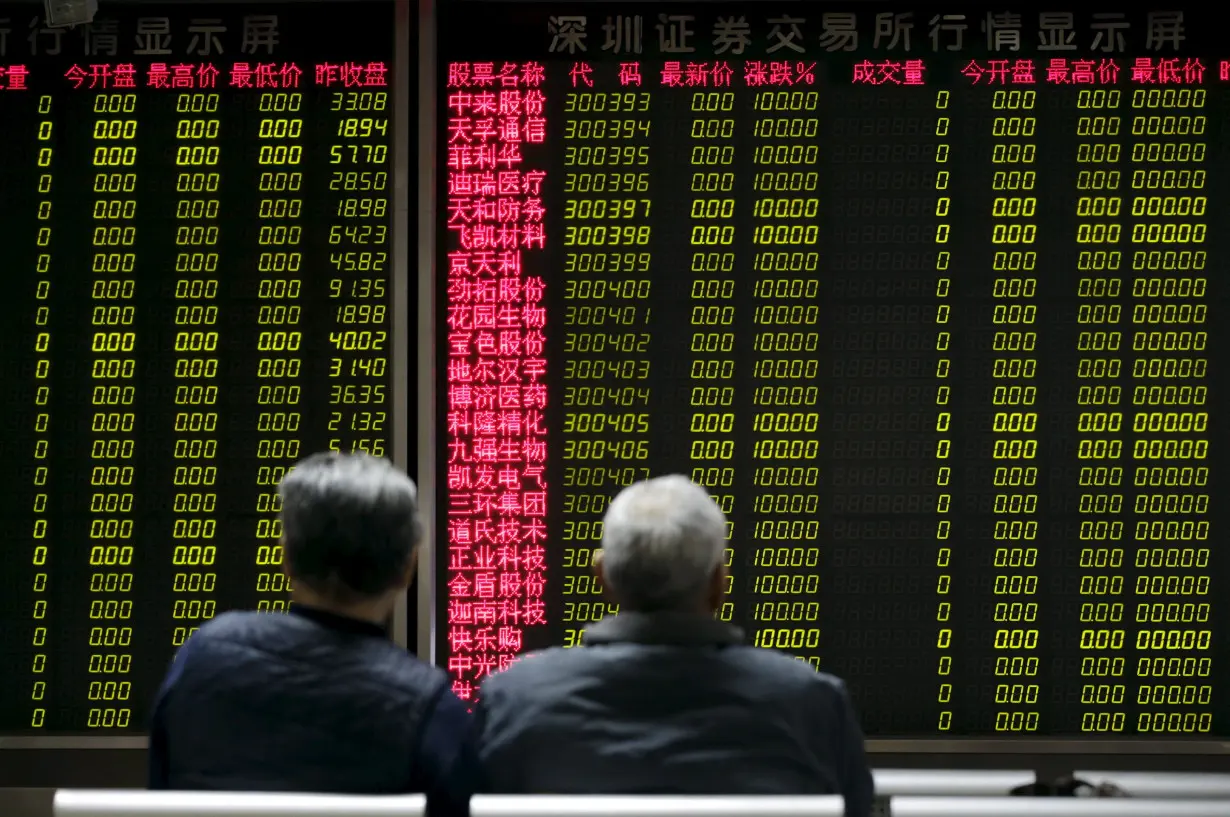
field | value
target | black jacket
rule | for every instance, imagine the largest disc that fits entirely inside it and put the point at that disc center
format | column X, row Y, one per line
column 309, row 701
column 670, row 704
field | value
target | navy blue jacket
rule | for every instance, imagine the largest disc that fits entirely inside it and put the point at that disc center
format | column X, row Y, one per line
column 310, row 702
column 670, row 704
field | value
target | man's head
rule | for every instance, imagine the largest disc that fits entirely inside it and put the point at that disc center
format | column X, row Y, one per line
column 663, row 547
column 350, row 530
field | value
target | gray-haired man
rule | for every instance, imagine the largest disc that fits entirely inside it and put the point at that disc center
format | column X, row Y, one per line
column 663, row 698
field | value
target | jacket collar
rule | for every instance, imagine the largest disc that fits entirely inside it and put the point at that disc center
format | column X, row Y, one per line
column 333, row 621
column 665, row 629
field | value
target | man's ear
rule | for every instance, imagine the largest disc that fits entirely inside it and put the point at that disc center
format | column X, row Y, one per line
column 599, row 570
column 717, row 588
column 284, row 566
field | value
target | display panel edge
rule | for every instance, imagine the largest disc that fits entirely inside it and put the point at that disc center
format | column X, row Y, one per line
column 402, row 170
column 426, row 328
column 924, row 746
column 1048, row 746
column 74, row 742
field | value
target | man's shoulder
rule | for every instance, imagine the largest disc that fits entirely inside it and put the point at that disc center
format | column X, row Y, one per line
column 235, row 622
column 297, row 638
column 250, row 628
column 534, row 671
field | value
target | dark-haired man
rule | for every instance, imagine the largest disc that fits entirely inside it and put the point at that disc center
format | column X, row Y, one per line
column 320, row 700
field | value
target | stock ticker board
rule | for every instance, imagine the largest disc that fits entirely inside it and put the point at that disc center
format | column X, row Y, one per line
column 195, row 220
column 925, row 298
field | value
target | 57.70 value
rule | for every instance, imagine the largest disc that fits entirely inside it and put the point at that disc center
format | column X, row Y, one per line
column 359, row 154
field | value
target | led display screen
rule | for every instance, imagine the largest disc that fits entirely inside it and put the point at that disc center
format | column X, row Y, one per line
column 196, row 218
column 924, row 297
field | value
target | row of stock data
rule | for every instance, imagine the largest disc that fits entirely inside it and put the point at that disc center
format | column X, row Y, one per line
column 199, row 260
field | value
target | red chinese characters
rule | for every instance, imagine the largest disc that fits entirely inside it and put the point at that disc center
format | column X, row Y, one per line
column 352, row 75
column 1001, row 72
column 630, row 74
column 1061, row 71
column 183, row 77
column 889, row 72
column 496, row 320
column 102, row 77
column 697, row 74
column 204, row 76
column 13, row 77
column 265, row 75
column 1168, row 71
column 758, row 73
